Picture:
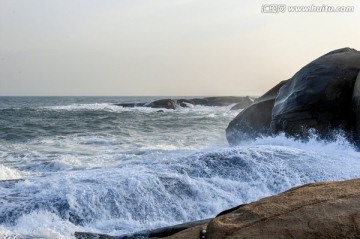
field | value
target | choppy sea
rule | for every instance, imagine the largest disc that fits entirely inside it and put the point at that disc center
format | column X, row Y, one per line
column 82, row 164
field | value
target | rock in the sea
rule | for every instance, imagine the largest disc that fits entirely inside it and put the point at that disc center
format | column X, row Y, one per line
column 164, row 103
column 207, row 101
column 131, row 105
column 255, row 120
column 319, row 96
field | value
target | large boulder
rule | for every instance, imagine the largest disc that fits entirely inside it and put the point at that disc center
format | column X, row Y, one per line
column 319, row 96
column 319, row 210
column 255, row 120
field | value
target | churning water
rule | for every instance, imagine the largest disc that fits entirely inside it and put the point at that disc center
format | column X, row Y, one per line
column 82, row 164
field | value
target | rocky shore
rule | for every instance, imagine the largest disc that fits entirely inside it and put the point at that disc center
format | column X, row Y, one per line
column 322, row 98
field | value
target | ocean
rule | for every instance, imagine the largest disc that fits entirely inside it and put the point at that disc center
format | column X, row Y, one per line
column 83, row 164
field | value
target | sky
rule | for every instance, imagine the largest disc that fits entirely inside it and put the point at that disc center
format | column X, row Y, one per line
column 162, row 47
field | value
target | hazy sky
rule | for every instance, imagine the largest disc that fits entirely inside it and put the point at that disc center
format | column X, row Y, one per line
column 161, row 47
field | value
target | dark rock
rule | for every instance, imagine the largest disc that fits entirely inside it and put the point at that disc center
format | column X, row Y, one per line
column 319, row 96
column 131, row 105
column 356, row 109
column 185, row 102
column 207, row 101
column 156, row 233
column 88, row 235
column 255, row 120
column 272, row 93
column 245, row 102
column 160, row 111
column 164, row 103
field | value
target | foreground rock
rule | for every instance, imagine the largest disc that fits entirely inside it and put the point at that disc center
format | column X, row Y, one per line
column 241, row 102
column 320, row 210
column 318, row 97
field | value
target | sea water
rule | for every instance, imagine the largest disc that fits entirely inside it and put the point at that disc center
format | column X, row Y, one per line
column 83, row 164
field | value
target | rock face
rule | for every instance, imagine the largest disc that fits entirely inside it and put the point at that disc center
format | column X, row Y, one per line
column 255, row 120
column 356, row 109
column 319, row 210
column 318, row 97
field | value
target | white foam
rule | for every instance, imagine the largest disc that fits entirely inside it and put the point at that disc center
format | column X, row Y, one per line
column 114, row 108
column 160, row 190
column 96, row 106
column 7, row 173
column 42, row 224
